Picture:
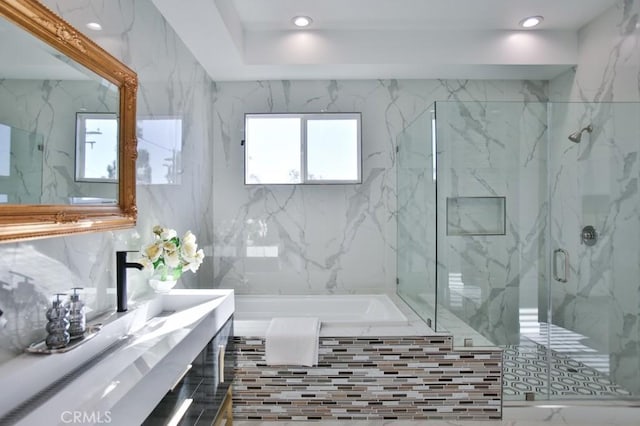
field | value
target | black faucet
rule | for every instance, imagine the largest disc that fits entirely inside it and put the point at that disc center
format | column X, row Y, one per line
column 121, row 278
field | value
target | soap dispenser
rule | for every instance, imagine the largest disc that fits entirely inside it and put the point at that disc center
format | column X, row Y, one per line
column 58, row 325
column 77, row 316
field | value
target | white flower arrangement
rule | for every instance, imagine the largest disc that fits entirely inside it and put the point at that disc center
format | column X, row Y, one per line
column 168, row 256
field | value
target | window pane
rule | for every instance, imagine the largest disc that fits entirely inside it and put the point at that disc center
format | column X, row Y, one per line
column 97, row 147
column 272, row 150
column 5, row 150
column 100, row 160
column 332, row 150
column 159, row 151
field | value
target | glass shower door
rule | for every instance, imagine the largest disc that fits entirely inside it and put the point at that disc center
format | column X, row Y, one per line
column 491, row 238
column 416, row 217
column 594, row 234
column 20, row 166
column 537, row 233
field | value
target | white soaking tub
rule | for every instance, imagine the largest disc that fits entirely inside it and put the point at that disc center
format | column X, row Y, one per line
column 340, row 314
column 367, row 309
column 372, row 348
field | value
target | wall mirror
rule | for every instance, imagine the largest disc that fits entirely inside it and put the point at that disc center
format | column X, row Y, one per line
column 67, row 129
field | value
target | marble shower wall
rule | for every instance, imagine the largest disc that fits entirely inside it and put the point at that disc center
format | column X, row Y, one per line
column 323, row 239
column 492, row 160
column 596, row 183
column 172, row 84
column 39, row 109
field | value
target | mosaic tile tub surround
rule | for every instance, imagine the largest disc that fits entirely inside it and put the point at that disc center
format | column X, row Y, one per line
column 370, row 378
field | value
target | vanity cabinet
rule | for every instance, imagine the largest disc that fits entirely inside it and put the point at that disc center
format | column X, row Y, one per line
column 207, row 383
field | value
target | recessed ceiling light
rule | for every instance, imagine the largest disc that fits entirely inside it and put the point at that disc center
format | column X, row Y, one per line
column 531, row 21
column 94, row 26
column 301, row 21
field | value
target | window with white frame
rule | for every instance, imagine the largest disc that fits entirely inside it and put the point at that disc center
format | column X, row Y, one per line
column 5, row 150
column 322, row 148
column 96, row 147
column 159, row 151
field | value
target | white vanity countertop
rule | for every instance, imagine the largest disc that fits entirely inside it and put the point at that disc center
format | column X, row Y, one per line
column 123, row 387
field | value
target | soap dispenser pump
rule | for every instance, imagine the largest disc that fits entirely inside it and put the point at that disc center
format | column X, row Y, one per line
column 77, row 316
column 58, row 325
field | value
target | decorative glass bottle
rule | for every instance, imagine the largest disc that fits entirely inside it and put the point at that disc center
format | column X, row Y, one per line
column 77, row 317
column 58, row 325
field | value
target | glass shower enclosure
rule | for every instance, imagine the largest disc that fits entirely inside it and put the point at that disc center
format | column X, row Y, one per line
column 523, row 231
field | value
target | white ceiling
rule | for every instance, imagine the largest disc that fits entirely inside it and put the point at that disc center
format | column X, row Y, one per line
column 260, row 15
column 365, row 39
column 361, row 39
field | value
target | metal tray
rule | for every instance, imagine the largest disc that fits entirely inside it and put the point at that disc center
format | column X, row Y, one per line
column 41, row 347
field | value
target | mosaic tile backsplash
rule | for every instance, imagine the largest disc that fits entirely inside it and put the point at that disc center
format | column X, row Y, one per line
column 370, row 378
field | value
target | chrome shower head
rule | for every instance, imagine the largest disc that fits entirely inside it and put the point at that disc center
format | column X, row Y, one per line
column 577, row 136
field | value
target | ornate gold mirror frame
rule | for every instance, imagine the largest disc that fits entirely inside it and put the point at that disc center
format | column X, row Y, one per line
column 22, row 222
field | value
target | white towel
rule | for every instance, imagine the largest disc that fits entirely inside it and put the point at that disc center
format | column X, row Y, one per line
column 292, row 341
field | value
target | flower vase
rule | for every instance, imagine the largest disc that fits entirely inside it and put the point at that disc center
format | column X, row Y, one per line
column 160, row 286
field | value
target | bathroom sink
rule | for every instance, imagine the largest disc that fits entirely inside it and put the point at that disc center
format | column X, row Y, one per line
column 187, row 304
column 148, row 348
column 177, row 300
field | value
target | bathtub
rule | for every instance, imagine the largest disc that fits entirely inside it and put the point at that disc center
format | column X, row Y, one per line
column 340, row 315
column 351, row 309
column 376, row 360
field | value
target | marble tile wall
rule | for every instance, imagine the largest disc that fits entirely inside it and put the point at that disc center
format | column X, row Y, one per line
column 487, row 280
column 325, row 236
column 492, row 159
column 51, row 124
column 172, row 84
column 329, row 239
column 595, row 183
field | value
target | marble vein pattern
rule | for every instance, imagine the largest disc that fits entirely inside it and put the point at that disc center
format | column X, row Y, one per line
column 171, row 84
column 343, row 239
column 491, row 257
column 596, row 183
column 37, row 111
column 591, row 183
column 323, row 239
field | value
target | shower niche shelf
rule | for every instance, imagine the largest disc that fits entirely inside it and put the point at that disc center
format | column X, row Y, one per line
column 467, row 216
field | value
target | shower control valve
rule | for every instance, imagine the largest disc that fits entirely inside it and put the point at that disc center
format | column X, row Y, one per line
column 588, row 236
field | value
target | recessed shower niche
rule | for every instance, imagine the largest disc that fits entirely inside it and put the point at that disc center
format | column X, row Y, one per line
column 476, row 215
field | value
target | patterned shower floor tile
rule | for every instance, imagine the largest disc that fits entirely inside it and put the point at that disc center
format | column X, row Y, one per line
column 525, row 370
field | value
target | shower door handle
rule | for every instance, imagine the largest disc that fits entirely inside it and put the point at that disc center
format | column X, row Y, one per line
column 556, row 255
